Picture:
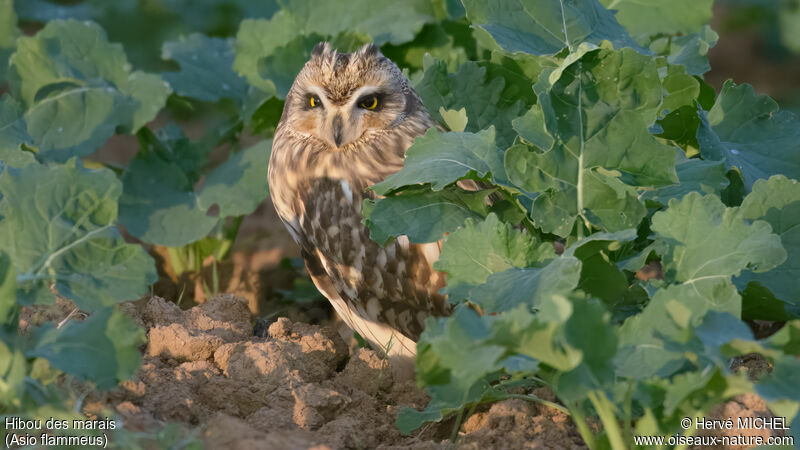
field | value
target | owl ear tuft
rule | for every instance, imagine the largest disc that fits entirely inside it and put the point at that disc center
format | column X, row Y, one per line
column 321, row 49
column 368, row 50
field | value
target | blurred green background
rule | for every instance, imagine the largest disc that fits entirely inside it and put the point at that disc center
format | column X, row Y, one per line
column 759, row 44
column 759, row 39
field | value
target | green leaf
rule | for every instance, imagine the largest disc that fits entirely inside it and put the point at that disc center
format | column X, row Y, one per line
column 600, row 276
column 422, row 215
column 647, row 340
column 70, row 237
column 8, row 35
column 645, row 18
column 682, row 88
column 539, row 336
column 455, row 120
column 783, row 382
column 178, row 215
column 691, row 257
column 530, row 286
column 777, row 202
column 694, row 175
column 104, row 348
column 443, row 158
column 547, row 27
column 598, row 111
column 472, row 253
column 460, row 345
column 13, row 134
column 13, row 374
column 680, row 126
column 383, row 20
column 8, row 291
column 78, row 88
column 206, row 69
column 447, row 41
column 690, row 50
column 588, row 330
column 470, row 88
column 737, row 128
column 532, row 128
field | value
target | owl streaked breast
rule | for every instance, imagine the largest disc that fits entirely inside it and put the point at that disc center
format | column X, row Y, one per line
column 346, row 124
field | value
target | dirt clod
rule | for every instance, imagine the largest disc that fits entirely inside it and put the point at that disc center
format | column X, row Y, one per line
column 296, row 386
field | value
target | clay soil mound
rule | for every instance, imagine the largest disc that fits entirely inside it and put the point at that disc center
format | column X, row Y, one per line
column 300, row 387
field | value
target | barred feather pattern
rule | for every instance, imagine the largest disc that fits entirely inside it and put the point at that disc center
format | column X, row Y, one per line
column 383, row 293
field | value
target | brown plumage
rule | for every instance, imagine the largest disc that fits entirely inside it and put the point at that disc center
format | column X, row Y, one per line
column 346, row 125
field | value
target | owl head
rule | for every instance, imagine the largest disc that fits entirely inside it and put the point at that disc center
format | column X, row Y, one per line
column 341, row 99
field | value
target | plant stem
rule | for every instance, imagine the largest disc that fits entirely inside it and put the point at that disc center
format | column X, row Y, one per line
column 583, row 427
column 535, row 399
column 605, row 410
column 230, row 236
column 175, row 258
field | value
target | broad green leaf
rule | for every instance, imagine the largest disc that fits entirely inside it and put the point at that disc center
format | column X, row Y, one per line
column 445, row 400
column 694, row 175
column 590, row 331
column 530, row 286
column 532, row 127
column 680, row 126
column 690, row 256
column 461, row 346
column 520, row 71
column 8, row 35
column 179, row 214
column 78, row 89
column 142, row 27
column 783, row 382
column 206, row 69
column 480, row 95
column 13, row 374
column 539, row 336
column 472, row 253
column 737, row 128
column 689, row 50
column 457, row 355
column 645, row 18
column 238, row 185
column 422, row 215
column 103, row 348
column 682, row 89
column 383, row 20
column 777, row 202
column 547, row 27
column 789, row 24
column 281, row 67
column 598, row 112
column 8, row 291
column 70, row 237
column 13, row 134
column 443, row 158
column 455, row 120
column 449, row 42
column 647, row 346
column 600, row 277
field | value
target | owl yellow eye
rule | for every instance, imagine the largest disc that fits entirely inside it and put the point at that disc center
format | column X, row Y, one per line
column 369, row 102
column 313, row 102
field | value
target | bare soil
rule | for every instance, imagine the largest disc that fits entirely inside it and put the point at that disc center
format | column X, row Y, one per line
column 299, row 387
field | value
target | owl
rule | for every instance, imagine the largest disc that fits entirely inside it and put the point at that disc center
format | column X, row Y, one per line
column 346, row 124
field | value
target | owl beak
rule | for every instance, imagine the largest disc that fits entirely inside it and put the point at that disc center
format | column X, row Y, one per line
column 337, row 130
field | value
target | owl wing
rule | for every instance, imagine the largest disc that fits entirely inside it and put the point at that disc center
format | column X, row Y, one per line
column 394, row 285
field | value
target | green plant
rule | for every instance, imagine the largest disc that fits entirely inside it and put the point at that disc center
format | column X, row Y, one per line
column 626, row 156
column 601, row 148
